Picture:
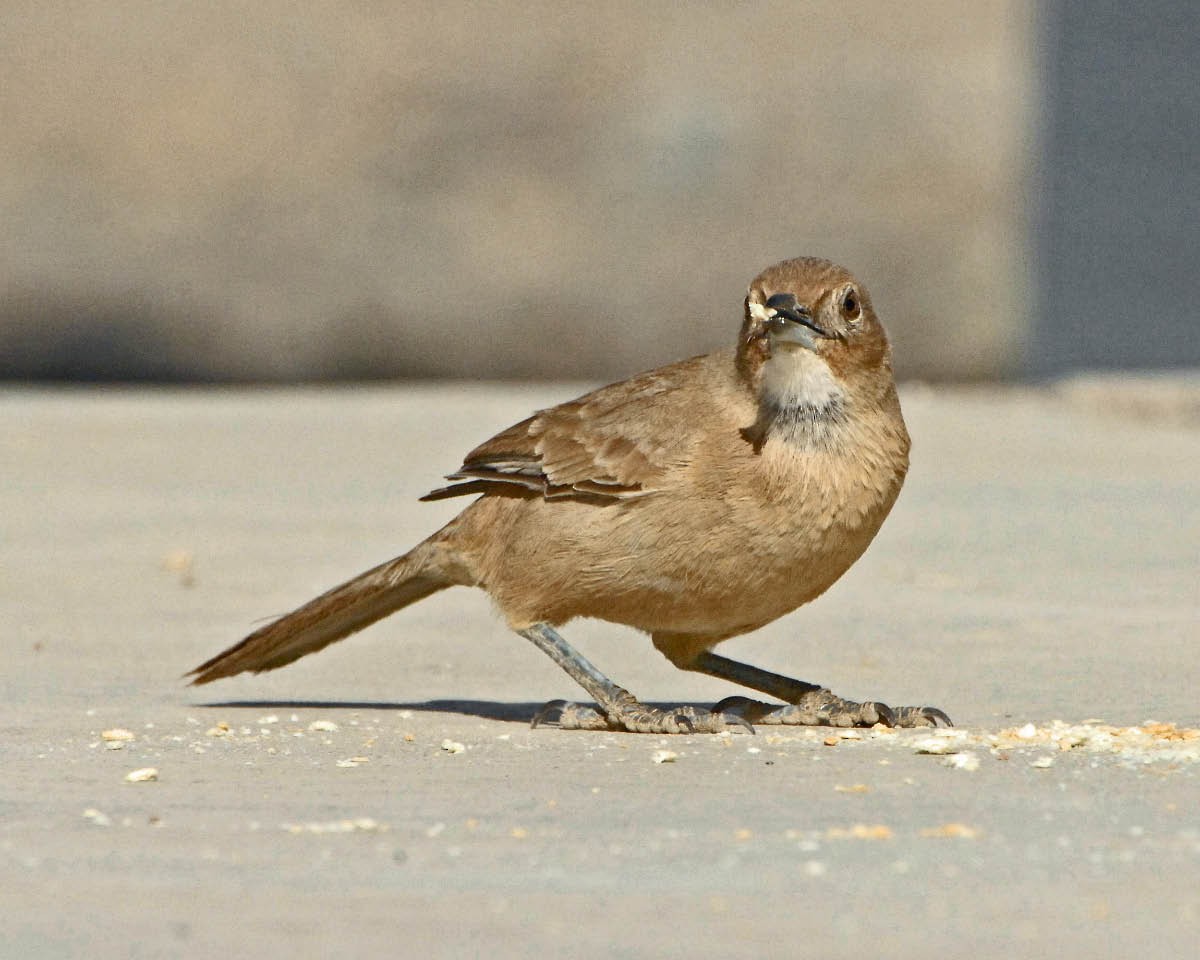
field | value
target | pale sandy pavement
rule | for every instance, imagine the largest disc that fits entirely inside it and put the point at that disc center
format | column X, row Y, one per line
column 1042, row 565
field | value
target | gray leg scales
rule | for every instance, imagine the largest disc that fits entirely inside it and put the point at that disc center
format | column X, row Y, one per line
column 616, row 708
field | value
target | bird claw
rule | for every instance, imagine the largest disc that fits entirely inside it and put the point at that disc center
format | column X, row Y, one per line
column 571, row 716
column 921, row 717
column 872, row 712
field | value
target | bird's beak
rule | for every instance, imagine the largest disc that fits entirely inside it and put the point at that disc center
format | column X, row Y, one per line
column 788, row 321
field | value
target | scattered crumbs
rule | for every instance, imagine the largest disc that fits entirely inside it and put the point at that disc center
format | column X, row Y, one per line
column 404, row 714
column 453, row 746
column 268, row 719
column 831, row 741
column 1151, row 741
column 1168, row 731
column 409, row 738
column 743, row 833
column 937, row 746
column 353, row 761
column 952, row 830
column 1041, row 763
column 962, row 761
column 860, row 831
column 117, row 735
column 815, row 868
column 220, row 730
column 182, row 563
column 434, row 830
column 95, row 816
column 357, row 825
column 322, row 726
column 852, row 788
column 664, row 756
column 142, row 775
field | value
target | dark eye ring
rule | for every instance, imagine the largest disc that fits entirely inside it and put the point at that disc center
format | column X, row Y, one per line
column 850, row 304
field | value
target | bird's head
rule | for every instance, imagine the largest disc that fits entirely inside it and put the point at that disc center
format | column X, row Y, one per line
column 810, row 336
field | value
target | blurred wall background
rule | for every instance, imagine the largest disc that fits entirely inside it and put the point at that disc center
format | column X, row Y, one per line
column 1117, row 223
column 277, row 191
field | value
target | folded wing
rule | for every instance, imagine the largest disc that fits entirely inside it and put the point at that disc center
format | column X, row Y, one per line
column 618, row 442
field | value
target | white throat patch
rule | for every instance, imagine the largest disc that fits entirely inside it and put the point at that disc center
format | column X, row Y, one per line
column 795, row 377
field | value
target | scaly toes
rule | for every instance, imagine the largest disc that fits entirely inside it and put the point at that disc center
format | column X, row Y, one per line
column 921, row 717
column 823, row 708
column 629, row 714
column 638, row 718
column 570, row 716
column 819, row 708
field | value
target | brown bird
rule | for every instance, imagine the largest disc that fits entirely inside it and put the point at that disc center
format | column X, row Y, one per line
column 694, row 502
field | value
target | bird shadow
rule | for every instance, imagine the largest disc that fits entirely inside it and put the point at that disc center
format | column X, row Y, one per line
column 485, row 709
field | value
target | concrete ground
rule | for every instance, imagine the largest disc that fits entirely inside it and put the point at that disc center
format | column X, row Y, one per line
column 1041, row 566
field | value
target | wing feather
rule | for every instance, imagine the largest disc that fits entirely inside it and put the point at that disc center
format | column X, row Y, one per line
column 617, row 442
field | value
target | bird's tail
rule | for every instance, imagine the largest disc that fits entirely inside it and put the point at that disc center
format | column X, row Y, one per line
column 336, row 614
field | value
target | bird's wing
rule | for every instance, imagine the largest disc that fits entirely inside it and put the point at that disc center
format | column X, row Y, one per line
column 618, row 442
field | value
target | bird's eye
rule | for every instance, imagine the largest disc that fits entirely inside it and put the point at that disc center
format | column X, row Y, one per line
column 850, row 305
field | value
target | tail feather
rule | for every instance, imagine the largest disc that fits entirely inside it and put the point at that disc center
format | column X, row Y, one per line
column 335, row 614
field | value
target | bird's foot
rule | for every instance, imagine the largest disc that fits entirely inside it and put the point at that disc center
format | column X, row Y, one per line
column 627, row 713
column 823, row 708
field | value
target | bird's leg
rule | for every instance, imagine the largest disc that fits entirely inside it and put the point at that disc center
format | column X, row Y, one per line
column 618, row 709
column 806, row 703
